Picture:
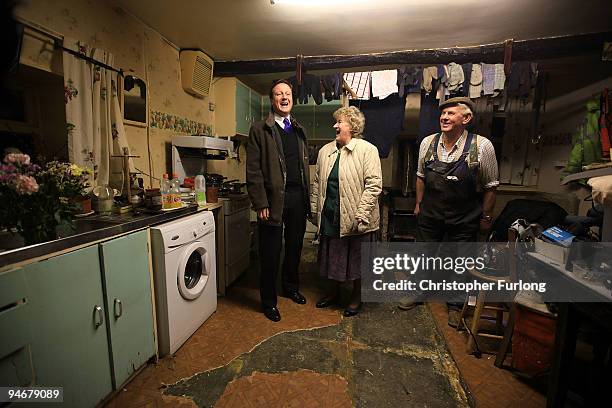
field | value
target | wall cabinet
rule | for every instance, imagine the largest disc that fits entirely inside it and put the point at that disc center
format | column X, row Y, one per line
column 237, row 107
column 318, row 120
column 86, row 316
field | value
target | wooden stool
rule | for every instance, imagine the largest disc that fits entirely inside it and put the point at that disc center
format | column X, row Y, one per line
column 480, row 306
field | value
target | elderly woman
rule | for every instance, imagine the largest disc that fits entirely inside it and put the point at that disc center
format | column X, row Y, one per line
column 344, row 204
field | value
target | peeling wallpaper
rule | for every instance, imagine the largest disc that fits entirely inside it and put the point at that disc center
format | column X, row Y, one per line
column 137, row 49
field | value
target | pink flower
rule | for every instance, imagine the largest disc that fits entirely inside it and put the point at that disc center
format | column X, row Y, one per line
column 25, row 184
column 17, row 158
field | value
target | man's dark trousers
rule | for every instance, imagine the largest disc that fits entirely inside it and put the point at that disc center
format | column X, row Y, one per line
column 270, row 243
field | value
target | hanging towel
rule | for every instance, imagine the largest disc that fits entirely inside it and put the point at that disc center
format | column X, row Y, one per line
column 384, row 83
column 359, row 82
column 500, row 77
column 488, row 78
column 475, row 81
column 384, row 120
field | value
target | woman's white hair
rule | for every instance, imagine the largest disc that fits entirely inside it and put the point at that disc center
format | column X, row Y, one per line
column 354, row 117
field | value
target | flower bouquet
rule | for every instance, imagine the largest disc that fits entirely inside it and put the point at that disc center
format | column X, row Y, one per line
column 37, row 199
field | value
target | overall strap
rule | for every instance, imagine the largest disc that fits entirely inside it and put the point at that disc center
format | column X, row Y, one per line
column 432, row 152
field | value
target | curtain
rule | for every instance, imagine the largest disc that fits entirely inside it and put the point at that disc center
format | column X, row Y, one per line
column 94, row 121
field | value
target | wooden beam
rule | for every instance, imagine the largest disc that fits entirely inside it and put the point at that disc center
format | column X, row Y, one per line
column 522, row 50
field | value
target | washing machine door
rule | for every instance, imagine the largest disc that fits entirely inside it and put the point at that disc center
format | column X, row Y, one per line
column 194, row 270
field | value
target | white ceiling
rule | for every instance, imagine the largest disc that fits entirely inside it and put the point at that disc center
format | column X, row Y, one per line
column 256, row 29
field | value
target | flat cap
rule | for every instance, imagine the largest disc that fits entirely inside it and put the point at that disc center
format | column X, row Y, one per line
column 459, row 99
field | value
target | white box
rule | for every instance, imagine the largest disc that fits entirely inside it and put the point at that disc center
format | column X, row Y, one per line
column 554, row 252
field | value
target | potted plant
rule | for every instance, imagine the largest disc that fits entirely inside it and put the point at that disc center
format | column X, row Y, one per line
column 40, row 197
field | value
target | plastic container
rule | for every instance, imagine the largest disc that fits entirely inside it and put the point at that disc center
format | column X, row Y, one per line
column 200, row 189
column 165, row 192
column 175, row 191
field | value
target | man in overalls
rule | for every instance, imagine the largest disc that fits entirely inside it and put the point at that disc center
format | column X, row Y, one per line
column 457, row 177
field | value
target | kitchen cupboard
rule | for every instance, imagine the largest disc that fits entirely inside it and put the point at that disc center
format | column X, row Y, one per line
column 237, row 107
column 317, row 120
column 85, row 316
column 70, row 348
column 129, row 309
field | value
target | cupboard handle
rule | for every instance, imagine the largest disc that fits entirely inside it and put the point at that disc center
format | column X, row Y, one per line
column 118, row 303
column 100, row 321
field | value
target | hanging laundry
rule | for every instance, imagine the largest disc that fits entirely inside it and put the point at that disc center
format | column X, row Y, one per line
column 519, row 80
column 500, row 77
column 467, row 73
column 332, row 86
column 409, row 80
column 442, row 93
column 311, row 86
column 359, row 82
column 488, row 78
column 384, row 83
column 475, row 84
column 455, row 77
column 384, row 120
column 429, row 74
column 429, row 116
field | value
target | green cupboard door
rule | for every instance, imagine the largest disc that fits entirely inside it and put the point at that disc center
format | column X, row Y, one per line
column 70, row 343
column 125, row 268
column 304, row 114
column 324, row 120
column 243, row 107
column 266, row 107
column 255, row 106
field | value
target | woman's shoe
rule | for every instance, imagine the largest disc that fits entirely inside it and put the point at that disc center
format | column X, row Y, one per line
column 349, row 311
column 326, row 301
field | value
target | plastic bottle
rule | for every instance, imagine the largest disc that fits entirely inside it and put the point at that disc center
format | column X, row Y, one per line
column 176, row 191
column 200, row 189
column 164, row 190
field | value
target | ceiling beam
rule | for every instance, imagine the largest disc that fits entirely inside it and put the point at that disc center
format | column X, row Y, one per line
column 522, row 50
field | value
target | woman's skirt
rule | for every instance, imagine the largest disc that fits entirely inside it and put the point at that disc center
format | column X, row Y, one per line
column 340, row 258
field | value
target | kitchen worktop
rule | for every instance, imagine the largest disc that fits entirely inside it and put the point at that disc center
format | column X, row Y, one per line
column 101, row 227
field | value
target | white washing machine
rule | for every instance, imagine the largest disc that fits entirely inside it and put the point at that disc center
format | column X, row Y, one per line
column 185, row 273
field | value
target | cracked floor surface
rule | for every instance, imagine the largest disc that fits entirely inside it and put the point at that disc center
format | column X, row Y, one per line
column 387, row 359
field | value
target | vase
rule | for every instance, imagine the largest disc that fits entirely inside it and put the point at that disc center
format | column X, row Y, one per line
column 83, row 205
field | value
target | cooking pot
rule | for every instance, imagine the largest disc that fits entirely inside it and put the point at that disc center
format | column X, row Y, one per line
column 233, row 186
column 213, row 179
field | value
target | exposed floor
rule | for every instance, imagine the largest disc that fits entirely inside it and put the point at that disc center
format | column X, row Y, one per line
column 490, row 386
column 315, row 358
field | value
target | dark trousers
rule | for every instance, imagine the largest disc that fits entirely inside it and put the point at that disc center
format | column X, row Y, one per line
column 270, row 243
column 432, row 230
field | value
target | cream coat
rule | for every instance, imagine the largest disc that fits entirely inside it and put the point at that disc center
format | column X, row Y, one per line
column 360, row 181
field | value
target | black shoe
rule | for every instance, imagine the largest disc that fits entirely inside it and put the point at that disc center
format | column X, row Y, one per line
column 296, row 296
column 272, row 313
column 349, row 311
column 326, row 301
